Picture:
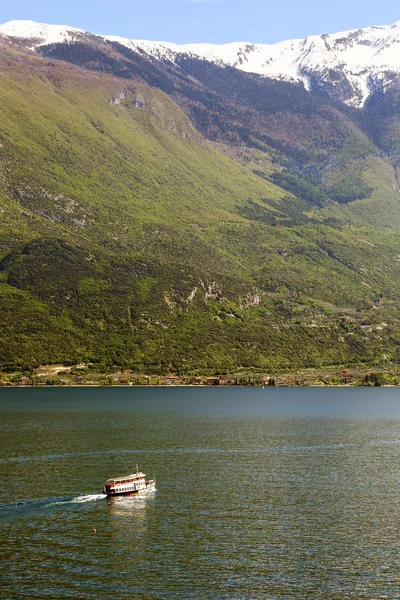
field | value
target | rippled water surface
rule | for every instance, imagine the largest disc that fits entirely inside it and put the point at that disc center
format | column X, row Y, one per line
column 261, row 493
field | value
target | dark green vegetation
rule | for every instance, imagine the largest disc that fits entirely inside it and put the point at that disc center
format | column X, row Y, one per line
column 127, row 238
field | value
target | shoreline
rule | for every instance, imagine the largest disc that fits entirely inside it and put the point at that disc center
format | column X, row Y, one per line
column 100, row 385
column 84, row 375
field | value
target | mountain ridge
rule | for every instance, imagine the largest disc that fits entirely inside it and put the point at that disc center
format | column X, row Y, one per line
column 348, row 65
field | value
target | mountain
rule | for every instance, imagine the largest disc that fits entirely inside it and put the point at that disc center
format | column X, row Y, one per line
column 311, row 137
column 349, row 65
column 179, row 215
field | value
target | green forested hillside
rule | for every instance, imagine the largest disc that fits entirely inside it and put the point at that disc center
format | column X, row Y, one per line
column 127, row 238
column 308, row 137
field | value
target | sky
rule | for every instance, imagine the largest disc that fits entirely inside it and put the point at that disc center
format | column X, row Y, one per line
column 211, row 21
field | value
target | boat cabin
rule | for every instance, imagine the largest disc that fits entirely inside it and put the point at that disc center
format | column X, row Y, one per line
column 126, row 483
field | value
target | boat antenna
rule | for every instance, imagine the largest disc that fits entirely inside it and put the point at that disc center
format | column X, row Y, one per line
column 137, row 469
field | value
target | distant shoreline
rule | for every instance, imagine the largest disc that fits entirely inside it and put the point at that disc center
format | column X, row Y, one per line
column 85, row 375
column 184, row 385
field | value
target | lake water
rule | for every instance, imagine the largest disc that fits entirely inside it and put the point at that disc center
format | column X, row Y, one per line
column 261, row 493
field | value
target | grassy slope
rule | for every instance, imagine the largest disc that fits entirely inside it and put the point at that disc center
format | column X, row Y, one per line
column 306, row 135
column 125, row 237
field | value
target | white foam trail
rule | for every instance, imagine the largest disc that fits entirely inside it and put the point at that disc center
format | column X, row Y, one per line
column 88, row 498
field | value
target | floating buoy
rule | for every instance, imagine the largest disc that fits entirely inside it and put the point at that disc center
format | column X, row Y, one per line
column 94, row 530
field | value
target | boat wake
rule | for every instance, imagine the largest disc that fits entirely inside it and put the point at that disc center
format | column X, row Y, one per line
column 89, row 498
column 30, row 508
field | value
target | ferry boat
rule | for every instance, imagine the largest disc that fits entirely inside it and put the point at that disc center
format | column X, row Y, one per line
column 129, row 484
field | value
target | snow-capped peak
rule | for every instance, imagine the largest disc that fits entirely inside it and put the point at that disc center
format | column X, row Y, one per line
column 346, row 64
column 39, row 33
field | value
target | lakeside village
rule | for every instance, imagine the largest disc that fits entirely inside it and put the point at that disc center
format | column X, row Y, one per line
column 82, row 375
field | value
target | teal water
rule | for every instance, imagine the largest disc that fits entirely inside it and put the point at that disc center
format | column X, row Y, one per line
column 274, row 493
